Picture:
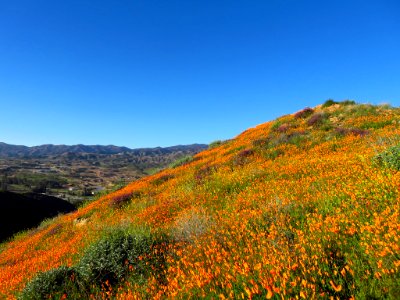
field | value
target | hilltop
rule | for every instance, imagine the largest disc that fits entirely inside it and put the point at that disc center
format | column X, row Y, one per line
column 304, row 206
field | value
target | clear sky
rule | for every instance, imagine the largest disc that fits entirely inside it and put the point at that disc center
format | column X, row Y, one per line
column 158, row 73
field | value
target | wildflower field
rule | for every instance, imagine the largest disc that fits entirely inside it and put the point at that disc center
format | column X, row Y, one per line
column 305, row 206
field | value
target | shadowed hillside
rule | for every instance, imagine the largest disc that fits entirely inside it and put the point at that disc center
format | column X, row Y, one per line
column 23, row 211
column 302, row 207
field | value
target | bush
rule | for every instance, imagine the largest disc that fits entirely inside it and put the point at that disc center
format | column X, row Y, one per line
column 105, row 264
column 353, row 131
column 243, row 157
column 316, row 119
column 304, row 113
column 329, row 102
column 53, row 284
column 120, row 199
column 347, row 102
column 114, row 257
column 110, row 258
column 389, row 158
column 283, row 128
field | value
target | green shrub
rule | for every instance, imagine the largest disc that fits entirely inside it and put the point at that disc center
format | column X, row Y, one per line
column 304, row 113
column 105, row 264
column 347, row 102
column 54, row 284
column 317, row 119
column 329, row 102
column 114, row 257
column 390, row 158
column 110, row 258
column 120, row 200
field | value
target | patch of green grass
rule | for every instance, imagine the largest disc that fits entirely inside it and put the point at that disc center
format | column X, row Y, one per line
column 216, row 144
column 276, row 125
column 152, row 171
column 363, row 110
column 376, row 125
column 181, row 161
column 390, row 158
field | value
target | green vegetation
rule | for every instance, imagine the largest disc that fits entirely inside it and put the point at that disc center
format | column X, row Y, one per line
column 32, row 182
column 216, row 144
column 54, row 284
column 182, row 161
column 331, row 102
column 390, row 158
column 104, row 266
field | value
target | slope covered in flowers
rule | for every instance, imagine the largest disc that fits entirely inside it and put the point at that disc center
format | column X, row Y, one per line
column 300, row 207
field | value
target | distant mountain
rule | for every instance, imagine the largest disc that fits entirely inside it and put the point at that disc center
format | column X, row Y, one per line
column 23, row 211
column 7, row 150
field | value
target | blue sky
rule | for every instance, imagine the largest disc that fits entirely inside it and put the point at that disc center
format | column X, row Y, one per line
column 159, row 73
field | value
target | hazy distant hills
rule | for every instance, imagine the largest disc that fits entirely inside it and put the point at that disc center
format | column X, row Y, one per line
column 7, row 150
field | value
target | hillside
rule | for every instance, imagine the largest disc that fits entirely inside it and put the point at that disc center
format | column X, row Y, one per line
column 305, row 206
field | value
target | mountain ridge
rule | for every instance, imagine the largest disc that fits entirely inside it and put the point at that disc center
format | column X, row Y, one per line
column 10, row 150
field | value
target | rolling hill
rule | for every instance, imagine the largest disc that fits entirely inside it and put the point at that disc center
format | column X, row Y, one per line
column 304, row 206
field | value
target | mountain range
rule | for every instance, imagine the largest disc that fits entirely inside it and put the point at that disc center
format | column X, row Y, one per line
column 8, row 150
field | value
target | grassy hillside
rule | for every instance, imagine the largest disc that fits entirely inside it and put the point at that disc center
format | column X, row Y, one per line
column 305, row 206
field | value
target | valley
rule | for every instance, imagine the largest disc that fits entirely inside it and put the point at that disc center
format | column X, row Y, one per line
column 71, row 174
